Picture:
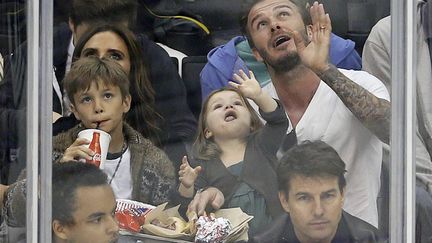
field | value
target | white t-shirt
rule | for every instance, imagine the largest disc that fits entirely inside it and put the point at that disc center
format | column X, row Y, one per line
column 329, row 120
column 122, row 182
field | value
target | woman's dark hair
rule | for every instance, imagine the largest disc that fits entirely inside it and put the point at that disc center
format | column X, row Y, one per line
column 142, row 115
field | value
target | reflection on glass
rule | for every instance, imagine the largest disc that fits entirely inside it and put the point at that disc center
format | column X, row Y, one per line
column 13, row 100
column 377, row 60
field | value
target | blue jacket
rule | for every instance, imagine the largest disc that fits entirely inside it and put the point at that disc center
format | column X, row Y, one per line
column 223, row 62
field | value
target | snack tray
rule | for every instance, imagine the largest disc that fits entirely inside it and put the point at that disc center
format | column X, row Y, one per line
column 150, row 238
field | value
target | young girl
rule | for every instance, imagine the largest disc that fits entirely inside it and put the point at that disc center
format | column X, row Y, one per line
column 236, row 153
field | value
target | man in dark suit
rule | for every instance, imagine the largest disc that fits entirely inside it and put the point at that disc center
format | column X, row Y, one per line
column 311, row 190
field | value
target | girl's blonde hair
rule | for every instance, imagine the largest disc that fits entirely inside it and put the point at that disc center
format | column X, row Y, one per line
column 207, row 149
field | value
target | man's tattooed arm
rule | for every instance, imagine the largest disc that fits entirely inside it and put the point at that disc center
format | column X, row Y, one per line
column 373, row 112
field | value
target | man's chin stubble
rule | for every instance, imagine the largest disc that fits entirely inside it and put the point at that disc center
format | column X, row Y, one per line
column 285, row 64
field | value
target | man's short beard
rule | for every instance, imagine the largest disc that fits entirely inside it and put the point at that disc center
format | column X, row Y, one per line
column 284, row 64
column 287, row 62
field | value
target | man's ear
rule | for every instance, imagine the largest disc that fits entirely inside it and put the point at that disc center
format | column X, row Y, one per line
column 127, row 103
column 75, row 112
column 71, row 25
column 343, row 196
column 73, row 28
column 309, row 32
column 59, row 230
column 257, row 55
column 283, row 198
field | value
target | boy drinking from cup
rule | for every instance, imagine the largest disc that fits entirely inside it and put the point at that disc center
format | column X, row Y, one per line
column 136, row 169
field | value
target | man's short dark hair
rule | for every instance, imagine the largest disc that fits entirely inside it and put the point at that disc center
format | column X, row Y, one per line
column 103, row 11
column 302, row 5
column 310, row 159
column 66, row 179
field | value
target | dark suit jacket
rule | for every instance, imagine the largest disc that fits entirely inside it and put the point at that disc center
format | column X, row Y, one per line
column 350, row 230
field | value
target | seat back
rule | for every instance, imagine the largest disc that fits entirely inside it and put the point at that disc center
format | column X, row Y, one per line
column 191, row 69
column 362, row 16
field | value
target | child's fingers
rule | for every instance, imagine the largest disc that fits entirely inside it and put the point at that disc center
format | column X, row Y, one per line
column 197, row 169
column 72, row 153
column 243, row 75
column 238, row 78
column 86, row 150
column 84, row 154
column 251, row 74
column 80, row 141
column 185, row 161
column 234, row 85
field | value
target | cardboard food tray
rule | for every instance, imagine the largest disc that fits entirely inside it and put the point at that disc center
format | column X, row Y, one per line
column 151, row 238
column 239, row 222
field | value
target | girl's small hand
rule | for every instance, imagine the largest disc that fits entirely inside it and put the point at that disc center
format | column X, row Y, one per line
column 77, row 151
column 248, row 86
column 187, row 174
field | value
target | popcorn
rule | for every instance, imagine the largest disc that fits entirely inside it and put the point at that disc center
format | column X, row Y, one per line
column 211, row 229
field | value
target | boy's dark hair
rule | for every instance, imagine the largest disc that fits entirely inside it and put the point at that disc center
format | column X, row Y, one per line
column 87, row 70
column 302, row 5
column 310, row 159
column 66, row 179
column 103, row 11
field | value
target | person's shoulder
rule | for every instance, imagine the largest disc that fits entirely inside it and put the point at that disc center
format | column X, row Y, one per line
column 362, row 231
column 135, row 138
column 227, row 50
column 147, row 153
column 368, row 82
column 274, row 232
column 150, row 47
column 380, row 33
column 64, row 139
column 383, row 24
column 361, row 77
column 61, row 39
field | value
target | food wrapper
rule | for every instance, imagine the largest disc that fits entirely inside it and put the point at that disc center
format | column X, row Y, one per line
column 131, row 214
column 211, row 229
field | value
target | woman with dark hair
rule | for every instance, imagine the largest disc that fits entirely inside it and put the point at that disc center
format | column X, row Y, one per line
column 159, row 110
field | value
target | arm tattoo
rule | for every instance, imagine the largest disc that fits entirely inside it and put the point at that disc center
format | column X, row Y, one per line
column 373, row 112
